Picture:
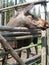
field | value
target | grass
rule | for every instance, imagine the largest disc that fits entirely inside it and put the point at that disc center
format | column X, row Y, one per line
column 39, row 47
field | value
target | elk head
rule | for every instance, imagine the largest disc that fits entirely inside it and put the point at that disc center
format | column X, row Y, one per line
column 38, row 21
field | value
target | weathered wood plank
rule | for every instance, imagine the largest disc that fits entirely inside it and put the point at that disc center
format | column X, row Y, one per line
column 21, row 37
column 20, row 5
column 44, row 48
column 32, row 60
column 7, row 46
column 2, row 53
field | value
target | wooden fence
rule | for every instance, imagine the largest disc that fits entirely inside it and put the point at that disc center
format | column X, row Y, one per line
column 6, row 34
column 12, row 32
column 21, row 5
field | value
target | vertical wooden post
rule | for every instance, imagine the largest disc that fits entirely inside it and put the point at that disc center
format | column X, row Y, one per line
column 5, row 20
column 0, row 25
column 44, row 36
column 4, row 61
column 16, row 8
column 44, row 48
column 0, row 13
column 3, row 14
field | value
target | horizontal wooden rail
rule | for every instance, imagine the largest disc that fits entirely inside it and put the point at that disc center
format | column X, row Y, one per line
column 7, row 28
column 2, row 53
column 20, row 5
column 32, row 60
column 23, row 48
column 21, row 37
column 12, row 34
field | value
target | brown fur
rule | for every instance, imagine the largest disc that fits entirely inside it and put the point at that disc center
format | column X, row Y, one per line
column 25, row 21
column 43, row 23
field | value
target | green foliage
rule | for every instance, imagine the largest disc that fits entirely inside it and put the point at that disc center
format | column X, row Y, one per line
column 0, row 3
column 10, row 3
column 9, row 13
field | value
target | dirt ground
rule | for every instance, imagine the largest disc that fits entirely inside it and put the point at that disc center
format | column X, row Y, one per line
column 23, row 56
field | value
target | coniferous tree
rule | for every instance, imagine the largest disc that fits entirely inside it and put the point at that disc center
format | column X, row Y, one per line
column 22, row 1
column 39, row 13
column 34, row 11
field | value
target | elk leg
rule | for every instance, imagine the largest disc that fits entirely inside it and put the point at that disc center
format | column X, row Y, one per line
column 28, row 52
column 35, row 42
column 19, row 53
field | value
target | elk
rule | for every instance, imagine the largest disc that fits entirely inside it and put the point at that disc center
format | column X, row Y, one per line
column 21, row 20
